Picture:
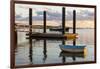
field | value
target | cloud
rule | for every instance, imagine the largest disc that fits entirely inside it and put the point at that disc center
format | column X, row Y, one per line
column 85, row 15
column 82, row 15
column 18, row 17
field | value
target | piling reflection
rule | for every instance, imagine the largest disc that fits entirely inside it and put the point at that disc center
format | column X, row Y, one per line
column 67, row 54
column 64, row 55
column 45, row 50
column 74, row 43
column 30, row 51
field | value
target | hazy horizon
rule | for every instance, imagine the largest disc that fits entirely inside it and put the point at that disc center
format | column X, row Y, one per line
column 79, row 24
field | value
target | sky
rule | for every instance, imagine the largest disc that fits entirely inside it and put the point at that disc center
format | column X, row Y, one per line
column 53, row 12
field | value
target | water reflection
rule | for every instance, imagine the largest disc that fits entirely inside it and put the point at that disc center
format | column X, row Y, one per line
column 74, row 43
column 30, row 51
column 68, row 54
column 45, row 51
column 64, row 55
column 63, row 58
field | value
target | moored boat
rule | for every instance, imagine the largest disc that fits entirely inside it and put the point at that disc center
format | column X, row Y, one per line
column 59, row 29
column 72, row 48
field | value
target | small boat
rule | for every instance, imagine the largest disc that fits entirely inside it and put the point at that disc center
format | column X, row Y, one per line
column 72, row 48
column 58, row 29
column 71, row 36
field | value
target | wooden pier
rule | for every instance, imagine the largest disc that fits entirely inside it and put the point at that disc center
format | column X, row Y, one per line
column 63, row 35
column 52, row 36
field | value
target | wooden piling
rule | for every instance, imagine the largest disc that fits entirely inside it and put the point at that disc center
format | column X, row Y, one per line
column 44, row 31
column 74, row 30
column 74, row 25
column 63, row 20
column 74, row 22
column 44, row 21
column 63, row 23
column 30, row 21
column 16, row 39
column 30, row 33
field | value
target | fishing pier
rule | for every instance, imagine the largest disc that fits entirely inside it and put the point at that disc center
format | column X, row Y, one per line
column 63, row 35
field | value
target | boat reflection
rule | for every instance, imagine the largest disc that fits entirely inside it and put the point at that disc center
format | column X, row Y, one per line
column 72, row 55
column 62, row 54
column 67, row 54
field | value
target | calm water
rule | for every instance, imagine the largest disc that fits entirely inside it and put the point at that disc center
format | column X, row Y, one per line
column 52, row 54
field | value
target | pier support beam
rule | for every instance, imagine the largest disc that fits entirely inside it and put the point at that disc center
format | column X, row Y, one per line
column 74, row 25
column 63, row 23
column 74, row 22
column 30, row 21
column 44, row 19
column 44, row 31
column 74, row 30
column 63, row 20
column 16, row 39
column 30, row 33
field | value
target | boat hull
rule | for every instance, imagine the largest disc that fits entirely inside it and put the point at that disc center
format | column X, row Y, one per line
column 72, row 49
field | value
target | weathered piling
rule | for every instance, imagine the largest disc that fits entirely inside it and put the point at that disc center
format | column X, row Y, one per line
column 44, row 21
column 16, row 39
column 30, row 26
column 74, row 22
column 74, row 25
column 30, row 21
column 63, row 23
column 44, row 31
column 63, row 20
column 30, row 33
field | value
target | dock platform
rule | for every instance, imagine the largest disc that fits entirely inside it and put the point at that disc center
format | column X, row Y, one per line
column 52, row 35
